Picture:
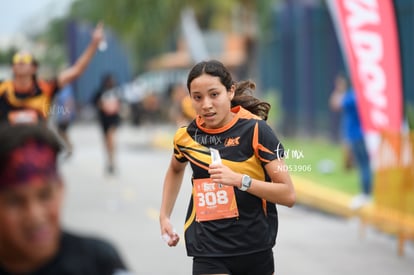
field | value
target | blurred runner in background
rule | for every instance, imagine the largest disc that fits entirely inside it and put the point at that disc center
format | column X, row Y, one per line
column 64, row 113
column 108, row 106
column 26, row 98
column 343, row 99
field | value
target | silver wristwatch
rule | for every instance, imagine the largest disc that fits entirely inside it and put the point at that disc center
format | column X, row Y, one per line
column 246, row 182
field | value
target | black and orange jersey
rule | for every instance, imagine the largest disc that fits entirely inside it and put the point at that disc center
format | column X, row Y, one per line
column 246, row 145
column 36, row 101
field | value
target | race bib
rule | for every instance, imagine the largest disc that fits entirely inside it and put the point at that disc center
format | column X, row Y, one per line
column 23, row 116
column 213, row 201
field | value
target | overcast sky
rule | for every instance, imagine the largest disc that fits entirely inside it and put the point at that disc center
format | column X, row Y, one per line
column 22, row 15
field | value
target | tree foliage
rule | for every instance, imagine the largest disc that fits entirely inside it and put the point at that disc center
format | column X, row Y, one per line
column 6, row 55
column 150, row 27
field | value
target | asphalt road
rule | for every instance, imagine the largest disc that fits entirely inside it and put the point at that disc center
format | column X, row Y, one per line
column 124, row 209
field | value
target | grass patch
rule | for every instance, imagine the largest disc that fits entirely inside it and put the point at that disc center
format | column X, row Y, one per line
column 317, row 160
column 321, row 162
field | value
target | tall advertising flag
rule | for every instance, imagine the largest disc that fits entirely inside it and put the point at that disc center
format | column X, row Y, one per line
column 367, row 33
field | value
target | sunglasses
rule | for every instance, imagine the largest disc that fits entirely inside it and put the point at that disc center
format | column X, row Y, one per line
column 24, row 58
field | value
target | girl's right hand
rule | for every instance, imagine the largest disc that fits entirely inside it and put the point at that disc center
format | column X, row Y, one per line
column 168, row 233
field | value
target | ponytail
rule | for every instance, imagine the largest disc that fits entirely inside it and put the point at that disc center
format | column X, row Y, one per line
column 243, row 96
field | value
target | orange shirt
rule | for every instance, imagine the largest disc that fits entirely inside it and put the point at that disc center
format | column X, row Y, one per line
column 28, row 106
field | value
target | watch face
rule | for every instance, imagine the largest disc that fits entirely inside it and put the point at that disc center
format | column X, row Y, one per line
column 246, row 181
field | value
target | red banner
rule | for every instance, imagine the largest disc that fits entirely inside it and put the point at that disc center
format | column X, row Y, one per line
column 368, row 36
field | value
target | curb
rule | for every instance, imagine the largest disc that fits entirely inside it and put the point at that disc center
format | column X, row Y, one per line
column 334, row 202
column 322, row 198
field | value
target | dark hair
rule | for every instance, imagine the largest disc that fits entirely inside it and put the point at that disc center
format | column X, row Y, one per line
column 244, row 89
column 108, row 80
column 343, row 75
column 35, row 62
column 14, row 136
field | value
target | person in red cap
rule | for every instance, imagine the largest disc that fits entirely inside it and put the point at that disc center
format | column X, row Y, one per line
column 32, row 240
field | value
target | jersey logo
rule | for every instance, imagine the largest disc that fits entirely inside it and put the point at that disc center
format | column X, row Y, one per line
column 232, row 141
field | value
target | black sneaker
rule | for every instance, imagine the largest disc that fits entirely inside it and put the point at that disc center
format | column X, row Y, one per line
column 110, row 169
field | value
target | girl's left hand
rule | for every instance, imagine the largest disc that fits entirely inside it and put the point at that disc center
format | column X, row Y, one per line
column 220, row 173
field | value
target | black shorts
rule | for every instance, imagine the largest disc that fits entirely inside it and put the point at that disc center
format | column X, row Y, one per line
column 108, row 122
column 261, row 263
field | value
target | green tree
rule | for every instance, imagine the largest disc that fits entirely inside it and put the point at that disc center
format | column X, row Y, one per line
column 55, row 37
column 6, row 55
column 144, row 26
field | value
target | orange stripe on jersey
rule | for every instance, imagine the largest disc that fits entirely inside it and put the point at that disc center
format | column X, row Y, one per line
column 6, row 86
column 239, row 112
column 48, row 88
column 257, row 146
column 264, row 206
column 195, row 161
column 190, row 219
column 243, row 113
